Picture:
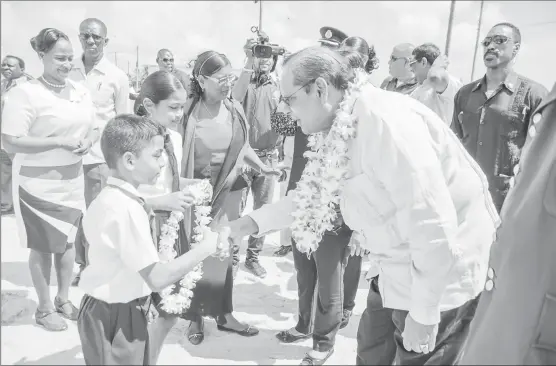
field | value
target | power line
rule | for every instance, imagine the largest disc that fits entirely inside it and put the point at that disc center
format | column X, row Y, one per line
column 541, row 23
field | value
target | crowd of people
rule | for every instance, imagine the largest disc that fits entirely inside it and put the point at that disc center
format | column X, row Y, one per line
column 448, row 189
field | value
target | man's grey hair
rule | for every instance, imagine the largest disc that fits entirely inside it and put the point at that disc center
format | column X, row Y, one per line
column 311, row 63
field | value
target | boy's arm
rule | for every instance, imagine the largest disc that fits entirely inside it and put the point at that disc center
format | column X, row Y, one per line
column 131, row 235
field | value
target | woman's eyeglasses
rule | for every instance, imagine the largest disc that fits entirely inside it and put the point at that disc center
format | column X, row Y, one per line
column 85, row 36
column 497, row 39
column 224, row 80
column 287, row 100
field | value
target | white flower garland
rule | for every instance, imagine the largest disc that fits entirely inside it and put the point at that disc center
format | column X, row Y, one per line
column 319, row 190
column 178, row 302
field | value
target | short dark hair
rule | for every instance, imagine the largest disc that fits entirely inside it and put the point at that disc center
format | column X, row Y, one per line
column 18, row 59
column 430, row 51
column 127, row 133
column 46, row 39
column 103, row 26
column 515, row 30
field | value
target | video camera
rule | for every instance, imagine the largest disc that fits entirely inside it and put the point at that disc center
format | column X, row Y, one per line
column 263, row 49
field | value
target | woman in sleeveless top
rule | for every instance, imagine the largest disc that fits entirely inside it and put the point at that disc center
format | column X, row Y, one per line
column 215, row 147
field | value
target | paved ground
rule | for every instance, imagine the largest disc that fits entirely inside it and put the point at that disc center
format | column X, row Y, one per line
column 269, row 304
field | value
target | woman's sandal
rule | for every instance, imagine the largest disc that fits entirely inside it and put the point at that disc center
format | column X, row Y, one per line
column 198, row 337
column 50, row 320
column 60, row 308
column 286, row 336
column 310, row 360
column 249, row 331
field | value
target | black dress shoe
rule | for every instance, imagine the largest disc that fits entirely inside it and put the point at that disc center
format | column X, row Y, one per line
column 286, row 336
column 249, row 331
column 283, row 251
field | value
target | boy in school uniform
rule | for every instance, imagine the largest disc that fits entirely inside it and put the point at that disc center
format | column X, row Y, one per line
column 124, row 267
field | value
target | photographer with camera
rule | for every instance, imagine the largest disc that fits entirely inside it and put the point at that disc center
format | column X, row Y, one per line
column 258, row 91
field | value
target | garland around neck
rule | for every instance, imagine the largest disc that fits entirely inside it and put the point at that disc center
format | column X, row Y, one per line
column 176, row 298
column 318, row 192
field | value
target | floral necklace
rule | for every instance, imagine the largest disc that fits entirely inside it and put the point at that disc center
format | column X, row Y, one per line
column 320, row 188
column 177, row 301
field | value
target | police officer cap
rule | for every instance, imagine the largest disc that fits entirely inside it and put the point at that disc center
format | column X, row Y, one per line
column 332, row 36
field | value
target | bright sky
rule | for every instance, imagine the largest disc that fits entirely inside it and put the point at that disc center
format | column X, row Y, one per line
column 190, row 27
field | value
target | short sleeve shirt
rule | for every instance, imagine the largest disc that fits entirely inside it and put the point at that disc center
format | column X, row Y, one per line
column 31, row 109
column 117, row 229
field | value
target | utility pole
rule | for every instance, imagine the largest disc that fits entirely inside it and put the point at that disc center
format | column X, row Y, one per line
column 450, row 23
column 477, row 40
column 137, row 71
column 260, row 15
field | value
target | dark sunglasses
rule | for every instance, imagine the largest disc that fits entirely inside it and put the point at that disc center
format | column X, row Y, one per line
column 168, row 59
column 85, row 36
column 498, row 40
column 287, row 100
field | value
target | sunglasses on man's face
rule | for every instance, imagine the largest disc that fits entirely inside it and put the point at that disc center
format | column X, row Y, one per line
column 86, row 36
column 168, row 59
column 497, row 40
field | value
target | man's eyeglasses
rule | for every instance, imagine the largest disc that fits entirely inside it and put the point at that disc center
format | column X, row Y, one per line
column 228, row 79
column 85, row 36
column 168, row 59
column 497, row 39
column 287, row 100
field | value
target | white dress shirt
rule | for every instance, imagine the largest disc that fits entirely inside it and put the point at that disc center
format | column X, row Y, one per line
column 420, row 202
column 109, row 88
column 117, row 229
column 441, row 103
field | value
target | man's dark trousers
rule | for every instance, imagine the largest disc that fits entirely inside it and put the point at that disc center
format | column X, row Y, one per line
column 379, row 340
column 329, row 268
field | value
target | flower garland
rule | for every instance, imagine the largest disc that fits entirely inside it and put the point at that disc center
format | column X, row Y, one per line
column 176, row 302
column 318, row 193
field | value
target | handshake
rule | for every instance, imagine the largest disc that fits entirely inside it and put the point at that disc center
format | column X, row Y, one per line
column 228, row 232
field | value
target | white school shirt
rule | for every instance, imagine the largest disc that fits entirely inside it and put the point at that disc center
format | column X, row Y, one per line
column 420, row 202
column 109, row 88
column 117, row 229
column 441, row 103
column 163, row 184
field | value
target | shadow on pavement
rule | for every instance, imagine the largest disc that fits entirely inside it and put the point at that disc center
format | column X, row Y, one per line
column 17, row 308
column 66, row 357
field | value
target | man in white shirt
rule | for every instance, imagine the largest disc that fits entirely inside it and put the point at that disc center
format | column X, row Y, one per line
column 109, row 88
column 437, row 88
column 416, row 200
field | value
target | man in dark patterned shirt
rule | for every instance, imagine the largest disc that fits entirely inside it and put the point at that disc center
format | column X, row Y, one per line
column 491, row 115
